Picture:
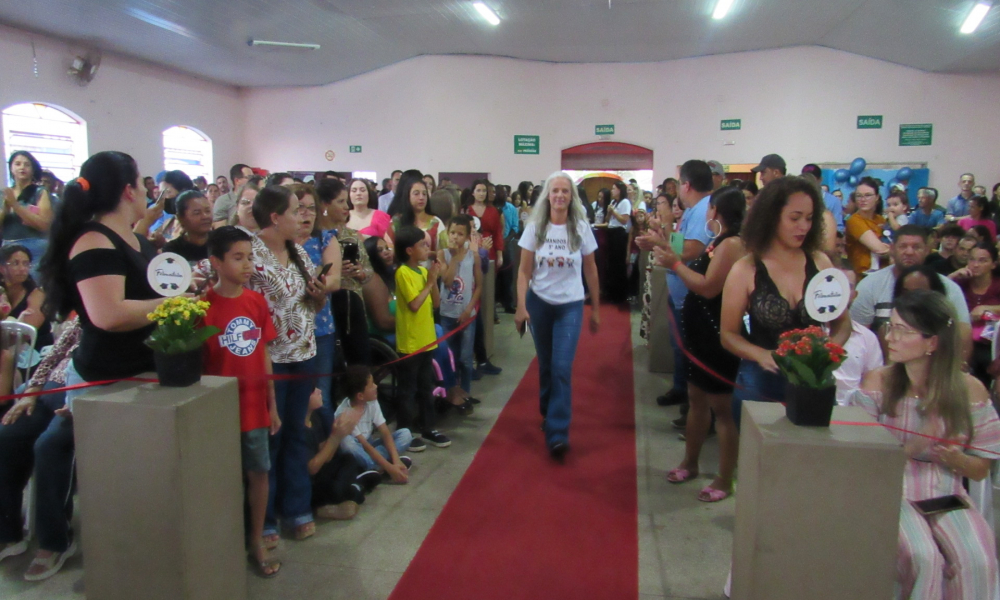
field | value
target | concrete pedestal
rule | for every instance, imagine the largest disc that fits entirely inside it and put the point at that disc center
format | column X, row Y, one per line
column 661, row 353
column 161, row 495
column 817, row 509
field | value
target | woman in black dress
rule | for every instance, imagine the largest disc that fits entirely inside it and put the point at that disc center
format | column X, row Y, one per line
column 712, row 370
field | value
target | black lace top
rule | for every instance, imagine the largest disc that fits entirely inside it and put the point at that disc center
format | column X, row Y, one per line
column 770, row 314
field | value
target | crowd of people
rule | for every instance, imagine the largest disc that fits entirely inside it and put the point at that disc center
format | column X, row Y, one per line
column 325, row 270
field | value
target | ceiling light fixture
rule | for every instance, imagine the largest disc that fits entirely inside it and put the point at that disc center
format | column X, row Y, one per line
column 295, row 45
column 487, row 13
column 722, row 8
column 976, row 16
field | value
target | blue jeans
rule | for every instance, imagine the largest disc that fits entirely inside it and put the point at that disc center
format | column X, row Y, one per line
column 680, row 360
column 326, row 360
column 754, row 383
column 556, row 330
column 290, row 492
column 401, row 438
column 462, row 344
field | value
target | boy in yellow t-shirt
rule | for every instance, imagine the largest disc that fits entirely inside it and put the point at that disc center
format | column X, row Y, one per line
column 417, row 295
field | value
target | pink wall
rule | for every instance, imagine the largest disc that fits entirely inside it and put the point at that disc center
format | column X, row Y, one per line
column 128, row 105
column 460, row 113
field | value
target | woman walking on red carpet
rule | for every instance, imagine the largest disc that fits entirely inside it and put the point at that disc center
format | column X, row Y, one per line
column 557, row 248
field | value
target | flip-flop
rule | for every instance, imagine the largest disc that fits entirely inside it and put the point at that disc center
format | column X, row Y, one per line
column 680, row 475
column 271, row 540
column 305, row 530
column 14, row 549
column 710, row 494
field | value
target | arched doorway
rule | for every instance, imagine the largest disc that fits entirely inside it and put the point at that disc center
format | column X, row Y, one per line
column 599, row 164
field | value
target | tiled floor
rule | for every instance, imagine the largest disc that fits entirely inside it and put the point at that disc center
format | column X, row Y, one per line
column 684, row 545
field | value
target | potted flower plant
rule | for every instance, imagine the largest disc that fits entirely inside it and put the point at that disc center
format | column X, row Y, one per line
column 807, row 358
column 177, row 340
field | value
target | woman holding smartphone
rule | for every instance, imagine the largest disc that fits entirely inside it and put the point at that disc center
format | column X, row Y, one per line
column 347, row 304
column 955, row 435
column 284, row 275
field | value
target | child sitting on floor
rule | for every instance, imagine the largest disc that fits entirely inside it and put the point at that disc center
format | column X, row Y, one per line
column 374, row 452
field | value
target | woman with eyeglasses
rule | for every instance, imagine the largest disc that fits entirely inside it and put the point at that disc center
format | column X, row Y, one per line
column 243, row 215
column 23, row 294
column 949, row 432
column 863, row 230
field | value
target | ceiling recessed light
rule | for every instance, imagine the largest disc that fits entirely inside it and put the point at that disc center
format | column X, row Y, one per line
column 722, row 8
column 294, row 45
column 487, row 13
column 976, row 16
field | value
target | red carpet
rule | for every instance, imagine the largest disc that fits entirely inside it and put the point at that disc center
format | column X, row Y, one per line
column 519, row 525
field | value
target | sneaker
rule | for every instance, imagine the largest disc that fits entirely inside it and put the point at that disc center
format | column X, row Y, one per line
column 47, row 567
column 489, row 368
column 368, row 480
column 417, row 445
column 407, row 461
column 14, row 549
column 435, row 438
column 680, row 423
column 671, row 398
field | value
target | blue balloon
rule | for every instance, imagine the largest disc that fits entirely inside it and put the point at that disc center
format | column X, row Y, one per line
column 853, row 180
column 858, row 166
column 904, row 174
column 841, row 175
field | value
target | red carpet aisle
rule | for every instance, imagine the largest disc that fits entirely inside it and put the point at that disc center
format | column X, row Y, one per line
column 520, row 526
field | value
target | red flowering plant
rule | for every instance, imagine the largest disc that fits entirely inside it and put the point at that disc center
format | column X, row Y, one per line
column 808, row 358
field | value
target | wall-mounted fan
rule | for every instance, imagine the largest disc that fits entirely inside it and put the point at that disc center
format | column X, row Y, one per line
column 83, row 68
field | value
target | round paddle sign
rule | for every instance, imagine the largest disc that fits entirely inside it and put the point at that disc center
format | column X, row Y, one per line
column 827, row 295
column 169, row 274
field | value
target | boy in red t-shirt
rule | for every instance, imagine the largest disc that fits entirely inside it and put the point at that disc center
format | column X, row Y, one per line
column 240, row 350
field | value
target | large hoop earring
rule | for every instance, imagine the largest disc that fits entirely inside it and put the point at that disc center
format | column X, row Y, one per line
column 708, row 230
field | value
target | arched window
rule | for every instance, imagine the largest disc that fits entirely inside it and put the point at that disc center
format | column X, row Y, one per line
column 189, row 150
column 55, row 136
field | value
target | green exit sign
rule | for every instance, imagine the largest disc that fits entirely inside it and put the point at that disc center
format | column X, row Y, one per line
column 870, row 122
column 355, row 149
column 731, row 124
column 604, row 130
column 526, row 144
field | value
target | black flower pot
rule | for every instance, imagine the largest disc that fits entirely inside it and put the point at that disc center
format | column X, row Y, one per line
column 178, row 370
column 810, row 407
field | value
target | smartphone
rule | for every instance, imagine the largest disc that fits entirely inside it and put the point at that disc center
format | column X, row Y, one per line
column 350, row 251
column 324, row 270
column 522, row 328
column 936, row 506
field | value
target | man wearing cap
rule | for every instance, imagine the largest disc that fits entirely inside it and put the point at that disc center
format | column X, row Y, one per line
column 718, row 174
column 832, row 202
column 771, row 167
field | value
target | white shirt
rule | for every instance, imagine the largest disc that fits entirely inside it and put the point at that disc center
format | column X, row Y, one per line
column 873, row 304
column 624, row 207
column 369, row 421
column 558, row 274
column 863, row 354
column 384, row 201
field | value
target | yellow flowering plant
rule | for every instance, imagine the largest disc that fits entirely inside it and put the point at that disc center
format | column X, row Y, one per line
column 177, row 326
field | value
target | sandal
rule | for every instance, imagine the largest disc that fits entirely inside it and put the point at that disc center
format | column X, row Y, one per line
column 680, row 475
column 271, row 540
column 265, row 569
column 305, row 530
column 710, row 494
column 43, row 568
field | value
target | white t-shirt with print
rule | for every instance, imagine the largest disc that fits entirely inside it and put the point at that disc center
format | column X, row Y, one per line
column 558, row 274
column 624, row 207
column 369, row 421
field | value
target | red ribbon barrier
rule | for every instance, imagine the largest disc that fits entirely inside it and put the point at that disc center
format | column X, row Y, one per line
column 263, row 377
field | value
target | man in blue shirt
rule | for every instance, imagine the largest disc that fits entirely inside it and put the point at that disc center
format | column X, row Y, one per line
column 694, row 191
column 959, row 205
column 833, row 203
column 927, row 213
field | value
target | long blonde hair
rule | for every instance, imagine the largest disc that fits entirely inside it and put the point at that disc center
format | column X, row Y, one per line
column 541, row 213
column 947, row 392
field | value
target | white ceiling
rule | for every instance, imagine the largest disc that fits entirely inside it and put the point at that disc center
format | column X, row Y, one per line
column 208, row 38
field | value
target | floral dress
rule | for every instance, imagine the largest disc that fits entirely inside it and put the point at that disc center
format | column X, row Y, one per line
column 284, row 288
column 950, row 555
